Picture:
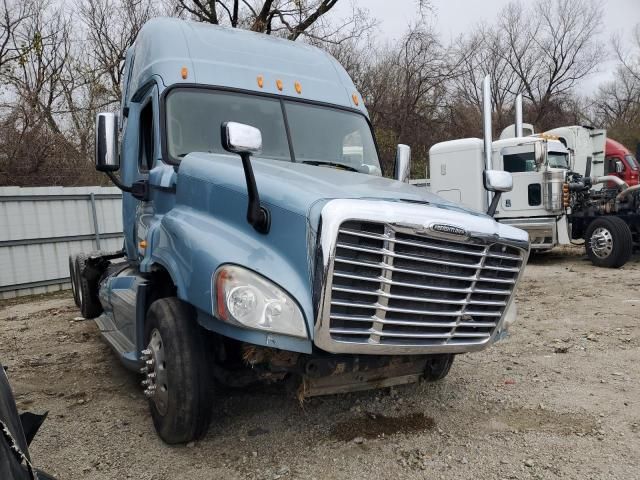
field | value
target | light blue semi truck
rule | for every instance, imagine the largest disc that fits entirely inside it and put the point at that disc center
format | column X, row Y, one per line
column 262, row 242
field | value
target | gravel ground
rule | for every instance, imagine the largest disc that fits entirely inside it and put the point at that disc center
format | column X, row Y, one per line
column 560, row 398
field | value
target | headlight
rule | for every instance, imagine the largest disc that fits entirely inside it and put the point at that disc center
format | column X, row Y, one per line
column 251, row 301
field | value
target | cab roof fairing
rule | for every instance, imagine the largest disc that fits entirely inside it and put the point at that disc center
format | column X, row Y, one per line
column 233, row 58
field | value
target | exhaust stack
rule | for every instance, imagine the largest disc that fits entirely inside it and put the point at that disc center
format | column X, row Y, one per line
column 487, row 128
column 519, row 116
column 486, row 122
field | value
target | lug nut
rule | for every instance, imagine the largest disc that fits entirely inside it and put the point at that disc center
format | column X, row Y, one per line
column 145, row 383
column 151, row 375
column 144, row 370
column 148, row 393
column 146, row 352
column 149, row 363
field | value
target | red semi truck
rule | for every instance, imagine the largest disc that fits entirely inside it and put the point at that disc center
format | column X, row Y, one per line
column 619, row 161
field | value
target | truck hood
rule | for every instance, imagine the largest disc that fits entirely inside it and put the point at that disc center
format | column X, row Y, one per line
column 298, row 187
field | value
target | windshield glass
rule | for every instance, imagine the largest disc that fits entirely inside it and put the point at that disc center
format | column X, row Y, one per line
column 558, row 160
column 632, row 162
column 318, row 134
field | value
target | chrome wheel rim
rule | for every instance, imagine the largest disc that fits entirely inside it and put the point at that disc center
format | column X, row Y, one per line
column 155, row 384
column 601, row 242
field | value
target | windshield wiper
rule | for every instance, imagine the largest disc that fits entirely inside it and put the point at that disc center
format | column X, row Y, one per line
column 331, row 164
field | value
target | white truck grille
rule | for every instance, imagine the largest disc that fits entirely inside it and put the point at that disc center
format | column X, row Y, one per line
column 396, row 288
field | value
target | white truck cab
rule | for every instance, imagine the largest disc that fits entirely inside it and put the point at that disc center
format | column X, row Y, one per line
column 537, row 166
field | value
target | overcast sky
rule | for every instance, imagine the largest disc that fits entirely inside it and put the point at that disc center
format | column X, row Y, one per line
column 454, row 17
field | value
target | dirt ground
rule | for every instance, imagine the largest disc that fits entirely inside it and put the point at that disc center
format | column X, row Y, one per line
column 560, row 398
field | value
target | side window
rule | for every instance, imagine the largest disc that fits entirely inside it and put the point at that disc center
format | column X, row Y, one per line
column 535, row 194
column 520, row 162
column 146, row 145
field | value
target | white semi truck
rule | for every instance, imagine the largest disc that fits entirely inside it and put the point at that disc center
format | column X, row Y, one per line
column 560, row 194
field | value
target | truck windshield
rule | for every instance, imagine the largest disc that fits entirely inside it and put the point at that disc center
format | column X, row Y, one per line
column 632, row 162
column 291, row 131
column 558, row 160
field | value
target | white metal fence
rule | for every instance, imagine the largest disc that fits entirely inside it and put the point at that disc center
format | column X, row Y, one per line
column 41, row 226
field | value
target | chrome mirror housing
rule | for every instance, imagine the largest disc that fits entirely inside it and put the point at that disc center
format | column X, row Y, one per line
column 241, row 138
column 403, row 163
column 498, row 181
column 107, row 157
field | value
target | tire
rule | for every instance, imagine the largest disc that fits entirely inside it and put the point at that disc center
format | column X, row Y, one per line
column 438, row 367
column 90, row 306
column 183, row 414
column 609, row 242
column 74, row 279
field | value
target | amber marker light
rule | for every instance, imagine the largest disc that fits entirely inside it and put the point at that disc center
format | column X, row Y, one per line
column 143, row 244
column 356, row 101
column 184, row 73
column 298, row 87
column 260, row 80
column 279, row 84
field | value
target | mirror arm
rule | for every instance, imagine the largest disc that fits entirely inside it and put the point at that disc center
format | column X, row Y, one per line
column 139, row 189
column 494, row 204
column 257, row 215
column 118, row 183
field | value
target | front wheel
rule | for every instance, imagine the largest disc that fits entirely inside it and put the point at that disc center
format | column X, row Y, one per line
column 438, row 367
column 609, row 242
column 177, row 371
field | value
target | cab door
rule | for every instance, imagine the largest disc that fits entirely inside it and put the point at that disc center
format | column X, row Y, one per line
column 140, row 149
column 525, row 199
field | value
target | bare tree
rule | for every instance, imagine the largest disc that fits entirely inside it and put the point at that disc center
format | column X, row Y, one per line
column 551, row 46
column 13, row 13
column 630, row 63
column 404, row 88
column 285, row 18
column 616, row 105
column 44, row 50
column 482, row 53
column 110, row 27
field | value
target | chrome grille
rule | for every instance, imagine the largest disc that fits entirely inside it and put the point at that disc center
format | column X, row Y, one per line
column 391, row 286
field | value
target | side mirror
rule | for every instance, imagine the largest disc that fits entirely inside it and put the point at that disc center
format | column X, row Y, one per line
column 107, row 157
column 498, row 181
column 403, row 163
column 619, row 166
column 240, row 138
column 245, row 140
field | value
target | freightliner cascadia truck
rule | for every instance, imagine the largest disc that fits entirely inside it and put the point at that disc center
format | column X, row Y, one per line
column 262, row 242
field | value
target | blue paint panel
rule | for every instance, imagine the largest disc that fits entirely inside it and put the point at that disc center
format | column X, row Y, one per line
column 228, row 57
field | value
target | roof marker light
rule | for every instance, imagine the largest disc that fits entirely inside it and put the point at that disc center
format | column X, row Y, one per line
column 279, row 84
column 355, row 99
column 184, row 73
column 260, row 80
column 298, row 87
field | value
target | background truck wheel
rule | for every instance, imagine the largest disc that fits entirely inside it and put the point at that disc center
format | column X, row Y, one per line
column 609, row 242
column 90, row 306
column 438, row 367
column 74, row 279
column 177, row 367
